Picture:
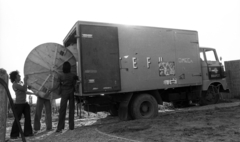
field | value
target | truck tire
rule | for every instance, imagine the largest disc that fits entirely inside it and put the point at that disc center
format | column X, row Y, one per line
column 144, row 106
column 114, row 110
column 211, row 96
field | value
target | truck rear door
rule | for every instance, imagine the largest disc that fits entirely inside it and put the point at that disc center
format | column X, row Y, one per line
column 99, row 59
column 188, row 67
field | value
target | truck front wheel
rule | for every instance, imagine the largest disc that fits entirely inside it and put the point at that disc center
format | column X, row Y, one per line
column 211, row 96
column 143, row 106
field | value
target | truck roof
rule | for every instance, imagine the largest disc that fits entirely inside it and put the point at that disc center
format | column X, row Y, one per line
column 73, row 29
column 206, row 48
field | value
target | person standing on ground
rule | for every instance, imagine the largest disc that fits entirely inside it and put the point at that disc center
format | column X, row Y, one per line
column 38, row 114
column 20, row 105
column 67, row 86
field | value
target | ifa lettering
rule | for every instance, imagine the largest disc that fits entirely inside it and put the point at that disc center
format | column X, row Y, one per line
column 165, row 68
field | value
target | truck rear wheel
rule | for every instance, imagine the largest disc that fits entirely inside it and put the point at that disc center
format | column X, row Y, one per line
column 144, row 106
column 211, row 96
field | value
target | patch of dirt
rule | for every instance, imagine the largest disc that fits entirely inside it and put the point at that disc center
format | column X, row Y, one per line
column 214, row 125
column 171, row 125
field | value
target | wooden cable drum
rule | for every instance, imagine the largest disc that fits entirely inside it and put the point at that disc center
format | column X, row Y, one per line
column 73, row 49
column 43, row 66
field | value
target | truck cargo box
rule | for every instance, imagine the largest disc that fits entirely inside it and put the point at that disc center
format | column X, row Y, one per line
column 123, row 58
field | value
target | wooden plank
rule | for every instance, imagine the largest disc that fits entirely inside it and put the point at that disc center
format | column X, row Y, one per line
column 3, row 105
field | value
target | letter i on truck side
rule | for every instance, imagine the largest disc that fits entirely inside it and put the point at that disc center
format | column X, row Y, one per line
column 130, row 70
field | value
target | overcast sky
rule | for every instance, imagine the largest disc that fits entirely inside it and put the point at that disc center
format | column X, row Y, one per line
column 25, row 24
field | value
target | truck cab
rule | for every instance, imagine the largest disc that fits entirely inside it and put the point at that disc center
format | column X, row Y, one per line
column 213, row 77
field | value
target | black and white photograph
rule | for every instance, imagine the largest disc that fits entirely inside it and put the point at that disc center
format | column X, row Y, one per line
column 120, row 71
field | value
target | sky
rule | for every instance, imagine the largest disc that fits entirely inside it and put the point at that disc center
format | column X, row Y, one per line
column 25, row 24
